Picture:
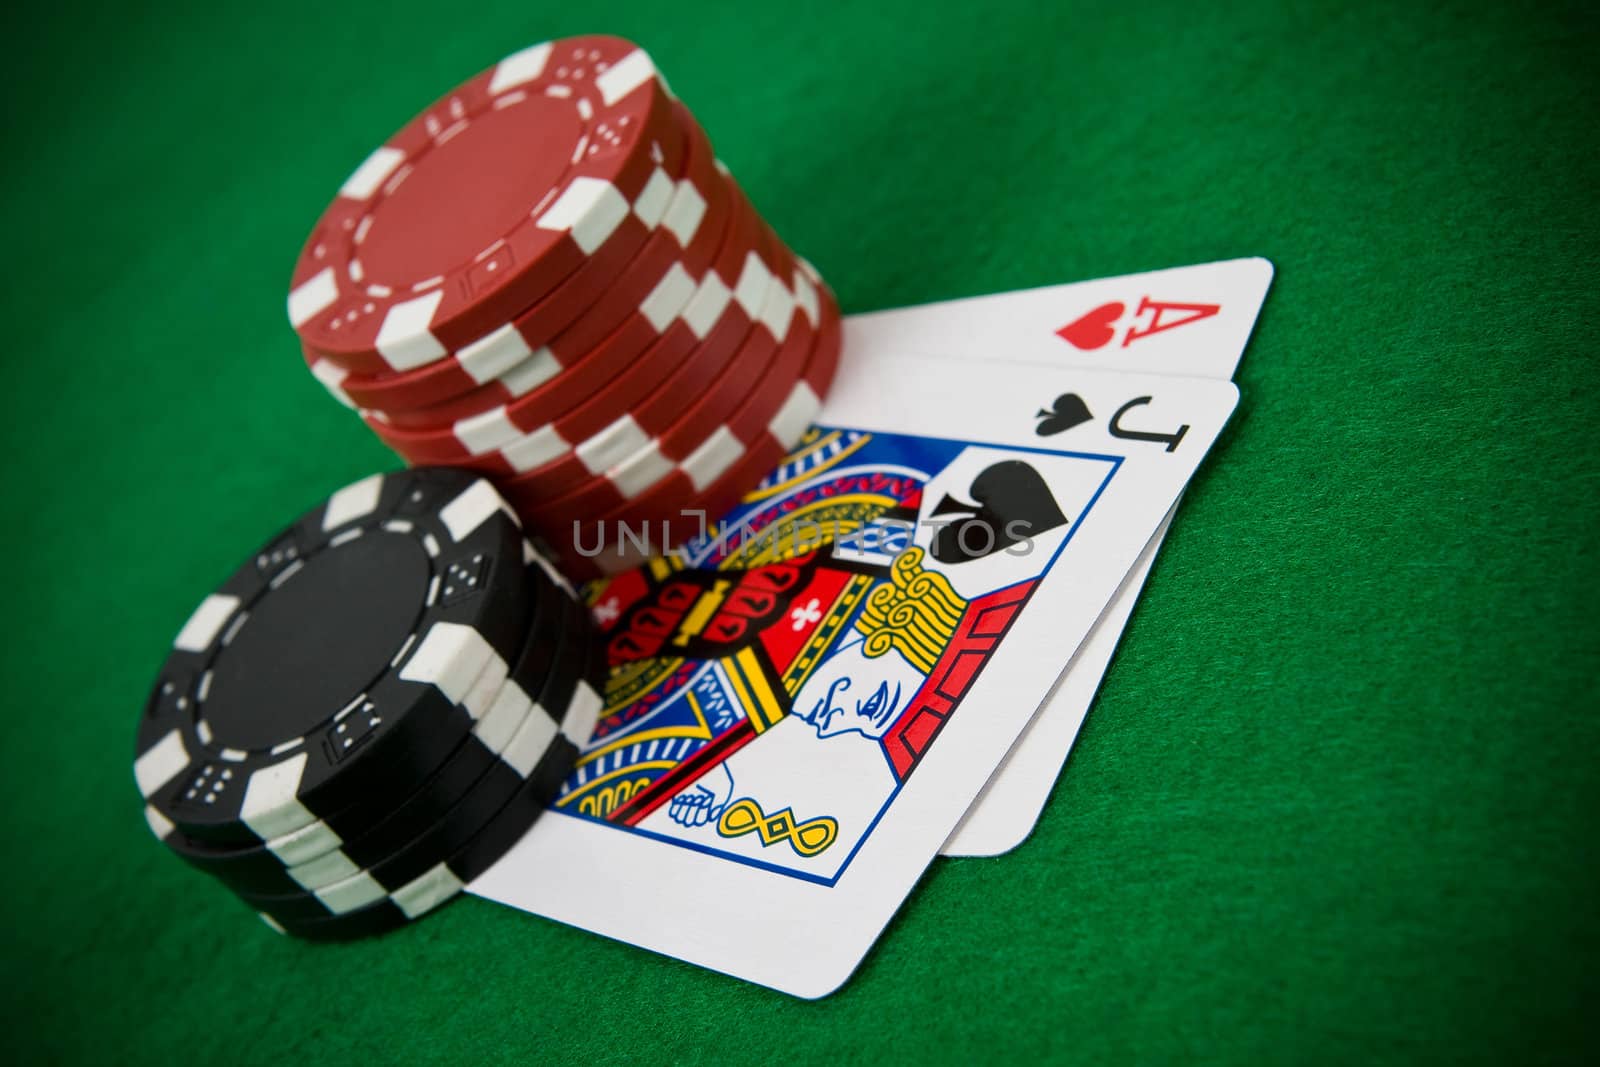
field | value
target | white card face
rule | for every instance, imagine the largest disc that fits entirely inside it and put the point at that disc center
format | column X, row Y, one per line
column 802, row 726
column 1009, row 807
column 1035, row 325
column 1187, row 320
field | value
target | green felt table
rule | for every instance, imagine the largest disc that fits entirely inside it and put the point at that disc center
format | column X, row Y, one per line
column 1337, row 798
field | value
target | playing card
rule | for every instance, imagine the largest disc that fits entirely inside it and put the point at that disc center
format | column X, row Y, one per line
column 804, row 705
column 1008, row 808
column 1186, row 321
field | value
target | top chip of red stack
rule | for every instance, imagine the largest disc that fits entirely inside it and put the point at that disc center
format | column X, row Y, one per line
column 481, row 205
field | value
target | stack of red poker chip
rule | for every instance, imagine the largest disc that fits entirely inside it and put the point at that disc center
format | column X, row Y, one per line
column 548, row 277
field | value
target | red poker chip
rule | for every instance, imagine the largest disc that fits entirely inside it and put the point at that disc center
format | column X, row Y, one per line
column 559, row 436
column 646, row 320
column 704, row 391
column 593, row 440
column 656, row 441
column 756, row 386
column 717, row 191
column 484, row 203
column 666, row 510
column 519, row 359
column 672, row 523
column 496, row 353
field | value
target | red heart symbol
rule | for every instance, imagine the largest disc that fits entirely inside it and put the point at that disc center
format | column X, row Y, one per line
column 727, row 629
column 1093, row 330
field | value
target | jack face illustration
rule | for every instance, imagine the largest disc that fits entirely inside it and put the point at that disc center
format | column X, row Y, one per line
column 856, row 693
column 771, row 690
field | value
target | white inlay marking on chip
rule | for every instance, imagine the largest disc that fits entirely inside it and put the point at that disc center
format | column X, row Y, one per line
column 159, row 824
column 207, row 621
column 487, row 431
column 683, row 215
column 531, row 372
column 641, row 472
column 324, row 870
column 655, row 198
column 582, row 713
column 805, row 294
column 335, row 541
column 624, row 76
column 373, row 172
column 480, row 698
column 332, row 377
column 450, row 658
column 520, row 67
column 403, row 340
column 427, row 891
column 160, row 762
column 475, row 506
column 670, row 296
column 271, row 807
column 341, row 898
column 777, row 310
column 493, row 354
column 304, row 844
column 352, row 502
column 714, row 456
column 504, row 718
column 612, row 445
column 535, row 449
column 589, row 209
column 796, row 416
column 710, row 301
column 312, row 297
column 530, row 743
column 751, row 290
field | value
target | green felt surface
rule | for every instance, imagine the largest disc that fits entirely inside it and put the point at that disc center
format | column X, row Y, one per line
column 1336, row 801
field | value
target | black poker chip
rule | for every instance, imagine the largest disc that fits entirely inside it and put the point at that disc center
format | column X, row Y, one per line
column 310, row 917
column 313, row 918
column 373, row 709
column 455, row 848
column 333, row 664
column 341, row 844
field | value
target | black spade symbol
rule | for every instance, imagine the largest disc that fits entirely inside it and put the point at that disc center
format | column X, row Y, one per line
column 1068, row 411
column 1013, row 504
